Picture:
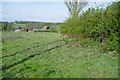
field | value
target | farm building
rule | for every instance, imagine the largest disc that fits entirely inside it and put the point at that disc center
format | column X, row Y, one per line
column 29, row 30
column 43, row 29
column 19, row 27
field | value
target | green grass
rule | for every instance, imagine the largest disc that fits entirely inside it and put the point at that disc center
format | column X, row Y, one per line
column 71, row 60
column 16, row 25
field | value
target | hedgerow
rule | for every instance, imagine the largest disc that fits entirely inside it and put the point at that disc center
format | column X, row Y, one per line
column 101, row 24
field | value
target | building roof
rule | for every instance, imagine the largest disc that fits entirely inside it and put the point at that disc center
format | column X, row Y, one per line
column 45, row 27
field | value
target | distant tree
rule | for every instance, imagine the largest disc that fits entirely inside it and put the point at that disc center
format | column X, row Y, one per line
column 7, row 26
column 0, row 26
column 4, row 26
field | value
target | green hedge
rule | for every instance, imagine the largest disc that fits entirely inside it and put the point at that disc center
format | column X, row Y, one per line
column 97, row 24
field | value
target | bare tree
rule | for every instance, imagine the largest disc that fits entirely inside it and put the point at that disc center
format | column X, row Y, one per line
column 75, row 6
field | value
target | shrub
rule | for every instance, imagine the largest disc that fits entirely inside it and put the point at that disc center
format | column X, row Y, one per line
column 96, row 24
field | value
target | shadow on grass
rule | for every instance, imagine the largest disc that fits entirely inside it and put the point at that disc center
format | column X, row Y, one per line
column 29, row 57
column 31, row 47
column 10, row 55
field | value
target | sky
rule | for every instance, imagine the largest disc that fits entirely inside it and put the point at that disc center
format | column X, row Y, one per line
column 36, row 10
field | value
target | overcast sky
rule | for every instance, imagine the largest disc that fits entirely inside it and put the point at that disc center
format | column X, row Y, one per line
column 36, row 10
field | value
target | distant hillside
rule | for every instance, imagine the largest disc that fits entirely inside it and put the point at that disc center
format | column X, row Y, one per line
column 15, row 25
column 31, row 24
column 53, row 26
column 8, row 26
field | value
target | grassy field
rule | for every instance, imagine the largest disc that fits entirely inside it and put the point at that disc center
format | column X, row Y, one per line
column 47, row 55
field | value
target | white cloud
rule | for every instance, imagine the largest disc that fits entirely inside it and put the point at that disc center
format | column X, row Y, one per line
column 56, row 0
column 32, row 0
column 102, row 0
column 0, row 11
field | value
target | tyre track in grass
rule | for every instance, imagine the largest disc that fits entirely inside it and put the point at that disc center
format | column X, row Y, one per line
column 29, row 57
column 17, row 52
column 10, row 55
